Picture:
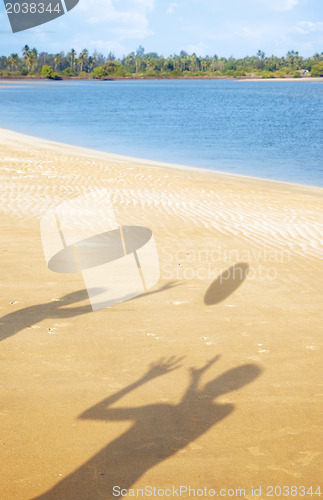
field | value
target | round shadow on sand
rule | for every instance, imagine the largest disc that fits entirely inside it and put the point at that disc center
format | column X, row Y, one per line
column 226, row 284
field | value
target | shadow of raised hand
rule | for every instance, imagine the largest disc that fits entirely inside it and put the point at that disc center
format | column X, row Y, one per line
column 163, row 366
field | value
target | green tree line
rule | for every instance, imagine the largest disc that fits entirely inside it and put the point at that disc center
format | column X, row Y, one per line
column 139, row 64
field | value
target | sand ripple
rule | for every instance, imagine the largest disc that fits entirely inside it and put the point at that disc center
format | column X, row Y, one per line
column 34, row 181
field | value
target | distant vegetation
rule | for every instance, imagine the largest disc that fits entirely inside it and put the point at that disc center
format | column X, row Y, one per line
column 151, row 65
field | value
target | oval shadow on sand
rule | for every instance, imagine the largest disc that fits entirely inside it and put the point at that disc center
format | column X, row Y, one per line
column 226, row 283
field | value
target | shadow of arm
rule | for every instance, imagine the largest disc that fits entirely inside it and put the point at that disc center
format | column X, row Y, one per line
column 101, row 411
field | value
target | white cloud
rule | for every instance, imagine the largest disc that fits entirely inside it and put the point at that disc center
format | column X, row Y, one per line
column 126, row 18
column 148, row 4
column 248, row 33
column 138, row 31
column 106, row 46
column 200, row 49
column 282, row 5
column 306, row 27
column 275, row 5
column 172, row 7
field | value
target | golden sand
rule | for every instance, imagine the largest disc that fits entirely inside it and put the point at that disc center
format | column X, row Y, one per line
column 82, row 409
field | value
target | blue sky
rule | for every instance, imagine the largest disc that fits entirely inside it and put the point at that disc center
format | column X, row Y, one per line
column 222, row 27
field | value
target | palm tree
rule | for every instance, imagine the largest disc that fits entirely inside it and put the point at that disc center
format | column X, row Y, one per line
column 193, row 63
column 10, row 62
column 57, row 61
column 91, row 62
column 260, row 55
column 25, row 51
column 138, row 63
column 72, row 55
column 26, row 54
column 76, row 63
column 150, row 63
column 214, row 63
column 13, row 61
column 83, row 57
column 168, row 64
column 221, row 63
column 177, row 63
column 292, row 56
column 130, row 61
column 204, row 64
column 33, row 58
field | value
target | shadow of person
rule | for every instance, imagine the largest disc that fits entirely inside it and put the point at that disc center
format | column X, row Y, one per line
column 159, row 431
column 226, row 284
column 13, row 322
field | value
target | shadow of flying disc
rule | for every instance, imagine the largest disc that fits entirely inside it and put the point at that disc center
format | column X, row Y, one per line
column 226, row 284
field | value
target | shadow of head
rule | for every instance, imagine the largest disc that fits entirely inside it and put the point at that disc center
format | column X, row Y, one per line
column 226, row 284
column 232, row 380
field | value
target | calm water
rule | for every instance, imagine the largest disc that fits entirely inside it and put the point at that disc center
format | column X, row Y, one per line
column 263, row 129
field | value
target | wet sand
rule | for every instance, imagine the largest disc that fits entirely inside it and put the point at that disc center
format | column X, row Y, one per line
column 92, row 400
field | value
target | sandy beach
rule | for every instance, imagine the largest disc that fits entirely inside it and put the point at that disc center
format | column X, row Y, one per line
column 212, row 379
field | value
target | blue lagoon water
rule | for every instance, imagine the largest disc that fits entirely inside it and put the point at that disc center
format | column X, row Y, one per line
column 263, row 129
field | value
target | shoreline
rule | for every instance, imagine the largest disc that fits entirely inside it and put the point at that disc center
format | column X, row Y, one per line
column 143, row 78
column 26, row 138
column 125, row 168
